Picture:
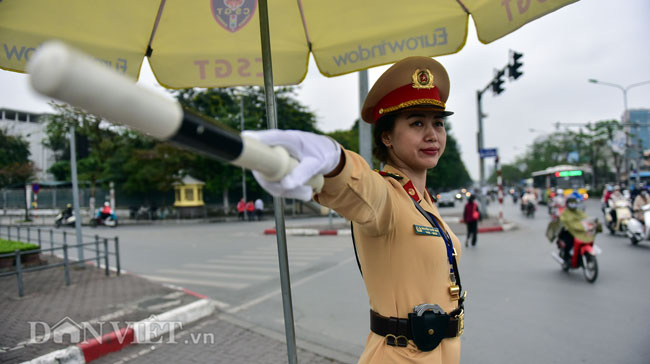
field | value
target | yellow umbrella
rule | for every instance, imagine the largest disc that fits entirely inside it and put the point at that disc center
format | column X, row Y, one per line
column 216, row 43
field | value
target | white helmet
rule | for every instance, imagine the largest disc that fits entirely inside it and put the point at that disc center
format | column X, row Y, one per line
column 106, row 204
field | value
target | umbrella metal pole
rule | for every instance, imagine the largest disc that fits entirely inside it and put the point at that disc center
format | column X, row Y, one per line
column 278, row 203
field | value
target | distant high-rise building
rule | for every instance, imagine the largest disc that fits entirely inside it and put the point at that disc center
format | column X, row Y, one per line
column 641, row 131
column 29, row 126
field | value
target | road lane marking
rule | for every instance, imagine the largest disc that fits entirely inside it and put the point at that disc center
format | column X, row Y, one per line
column 230, row 267
column 277, row 292
column 269, row 257
column 291, row 252
column 214, row 274
column 197, row 282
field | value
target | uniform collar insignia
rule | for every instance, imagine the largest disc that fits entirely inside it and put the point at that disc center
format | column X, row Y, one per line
column 389, row 174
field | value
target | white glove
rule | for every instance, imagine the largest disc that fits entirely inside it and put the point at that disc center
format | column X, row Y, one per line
column 315, row 153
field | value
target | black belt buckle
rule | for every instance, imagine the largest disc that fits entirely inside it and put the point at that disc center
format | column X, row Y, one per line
column 428, row 327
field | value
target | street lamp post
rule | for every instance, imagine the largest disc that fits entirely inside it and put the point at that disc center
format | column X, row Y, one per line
column 626, row 122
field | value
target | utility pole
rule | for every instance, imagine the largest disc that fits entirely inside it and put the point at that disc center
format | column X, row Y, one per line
column 365, row 129
column 243, row 170
column 626, row 121
column 75, row 194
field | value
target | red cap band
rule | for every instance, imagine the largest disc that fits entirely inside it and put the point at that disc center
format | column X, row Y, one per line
column 407, row 96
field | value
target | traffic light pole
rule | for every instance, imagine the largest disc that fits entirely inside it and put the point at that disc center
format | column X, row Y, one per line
column 514, row 72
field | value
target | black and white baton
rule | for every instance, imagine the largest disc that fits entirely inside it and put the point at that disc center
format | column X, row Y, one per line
column 65, row 74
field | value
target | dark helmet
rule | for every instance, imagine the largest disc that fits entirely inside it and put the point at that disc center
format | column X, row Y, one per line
column 571, row 199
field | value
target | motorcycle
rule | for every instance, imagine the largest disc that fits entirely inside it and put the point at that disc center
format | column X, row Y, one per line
column 67, row 220
column 556, row 211
column 583, row 254
column 639, row 230
column 623, row 216
column 104, row 219
column 528, row 208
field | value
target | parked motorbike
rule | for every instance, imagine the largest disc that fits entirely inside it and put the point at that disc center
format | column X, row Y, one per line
column 583, row 254
column 639, row 230
column 104, row 219
column 65, row 220
column 623, row 216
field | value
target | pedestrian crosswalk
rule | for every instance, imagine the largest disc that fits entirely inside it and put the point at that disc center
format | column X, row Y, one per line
column 237, row 271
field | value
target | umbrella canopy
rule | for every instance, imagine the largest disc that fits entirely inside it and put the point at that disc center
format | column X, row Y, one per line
column 216, row 43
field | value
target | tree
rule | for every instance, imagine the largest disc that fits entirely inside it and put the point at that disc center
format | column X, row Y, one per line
column 102, row 148
column 349, row 139
column 510, row 175
column 224, row 106
column 590, row 145
column 15, row 167
column 450, row 172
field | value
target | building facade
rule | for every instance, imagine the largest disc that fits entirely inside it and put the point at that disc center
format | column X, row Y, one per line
column 31, row 127
column 641, row 131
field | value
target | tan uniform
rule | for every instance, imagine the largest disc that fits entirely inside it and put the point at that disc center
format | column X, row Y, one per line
column 639, row 202
column 401, row 269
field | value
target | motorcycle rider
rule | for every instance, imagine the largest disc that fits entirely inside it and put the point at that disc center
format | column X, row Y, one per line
column 611, row 202
column 571, row 219
column 67, row 212
column 642, row 199
column 528, row 199
column 106, row 211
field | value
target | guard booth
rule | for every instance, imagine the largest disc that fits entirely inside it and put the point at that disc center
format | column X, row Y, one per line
column 188, row 198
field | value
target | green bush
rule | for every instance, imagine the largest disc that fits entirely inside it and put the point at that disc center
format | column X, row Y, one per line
column 8, row 246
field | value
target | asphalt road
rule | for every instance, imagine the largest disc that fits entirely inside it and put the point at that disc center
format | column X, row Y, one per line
column 521, row 307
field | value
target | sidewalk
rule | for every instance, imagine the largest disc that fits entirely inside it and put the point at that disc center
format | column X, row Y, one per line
column 116, row 312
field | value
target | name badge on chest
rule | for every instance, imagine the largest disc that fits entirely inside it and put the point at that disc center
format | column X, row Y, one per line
column 426, row 230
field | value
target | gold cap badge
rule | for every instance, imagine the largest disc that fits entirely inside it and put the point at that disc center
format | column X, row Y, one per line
column 422, row 79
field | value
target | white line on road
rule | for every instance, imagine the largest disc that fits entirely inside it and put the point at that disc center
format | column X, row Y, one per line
column 276, row 292
column 213, row 274
column 268, row 257
column 198, row 282
column 230, row 267
column 291, row 252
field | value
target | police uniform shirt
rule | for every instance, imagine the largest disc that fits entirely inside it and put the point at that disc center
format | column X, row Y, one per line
column 401, row 268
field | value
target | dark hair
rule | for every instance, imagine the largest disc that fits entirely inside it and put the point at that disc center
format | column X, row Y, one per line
column 385, row 124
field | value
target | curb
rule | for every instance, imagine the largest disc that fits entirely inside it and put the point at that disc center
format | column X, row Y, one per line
column 143, row 331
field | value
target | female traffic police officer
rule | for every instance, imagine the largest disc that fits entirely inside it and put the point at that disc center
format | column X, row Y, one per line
column 406, row 252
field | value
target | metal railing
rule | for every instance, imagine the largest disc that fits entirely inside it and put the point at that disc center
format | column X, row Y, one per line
column 57, row 240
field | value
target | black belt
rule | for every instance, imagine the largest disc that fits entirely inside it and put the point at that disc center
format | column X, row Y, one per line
column 398, row 330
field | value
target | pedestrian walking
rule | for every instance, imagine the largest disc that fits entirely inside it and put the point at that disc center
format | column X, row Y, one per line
column 259, row 208
column 406, row 252
column 250, row 208
column 471, row 216
column 241, row 208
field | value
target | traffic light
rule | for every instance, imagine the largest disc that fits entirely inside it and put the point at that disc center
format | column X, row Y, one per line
column 497, row 83
column 513, row 68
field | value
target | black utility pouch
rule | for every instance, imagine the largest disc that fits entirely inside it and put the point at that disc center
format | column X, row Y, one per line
column 429, row 329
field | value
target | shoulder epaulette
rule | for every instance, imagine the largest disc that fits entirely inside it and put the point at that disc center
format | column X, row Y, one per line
column 387, row 174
